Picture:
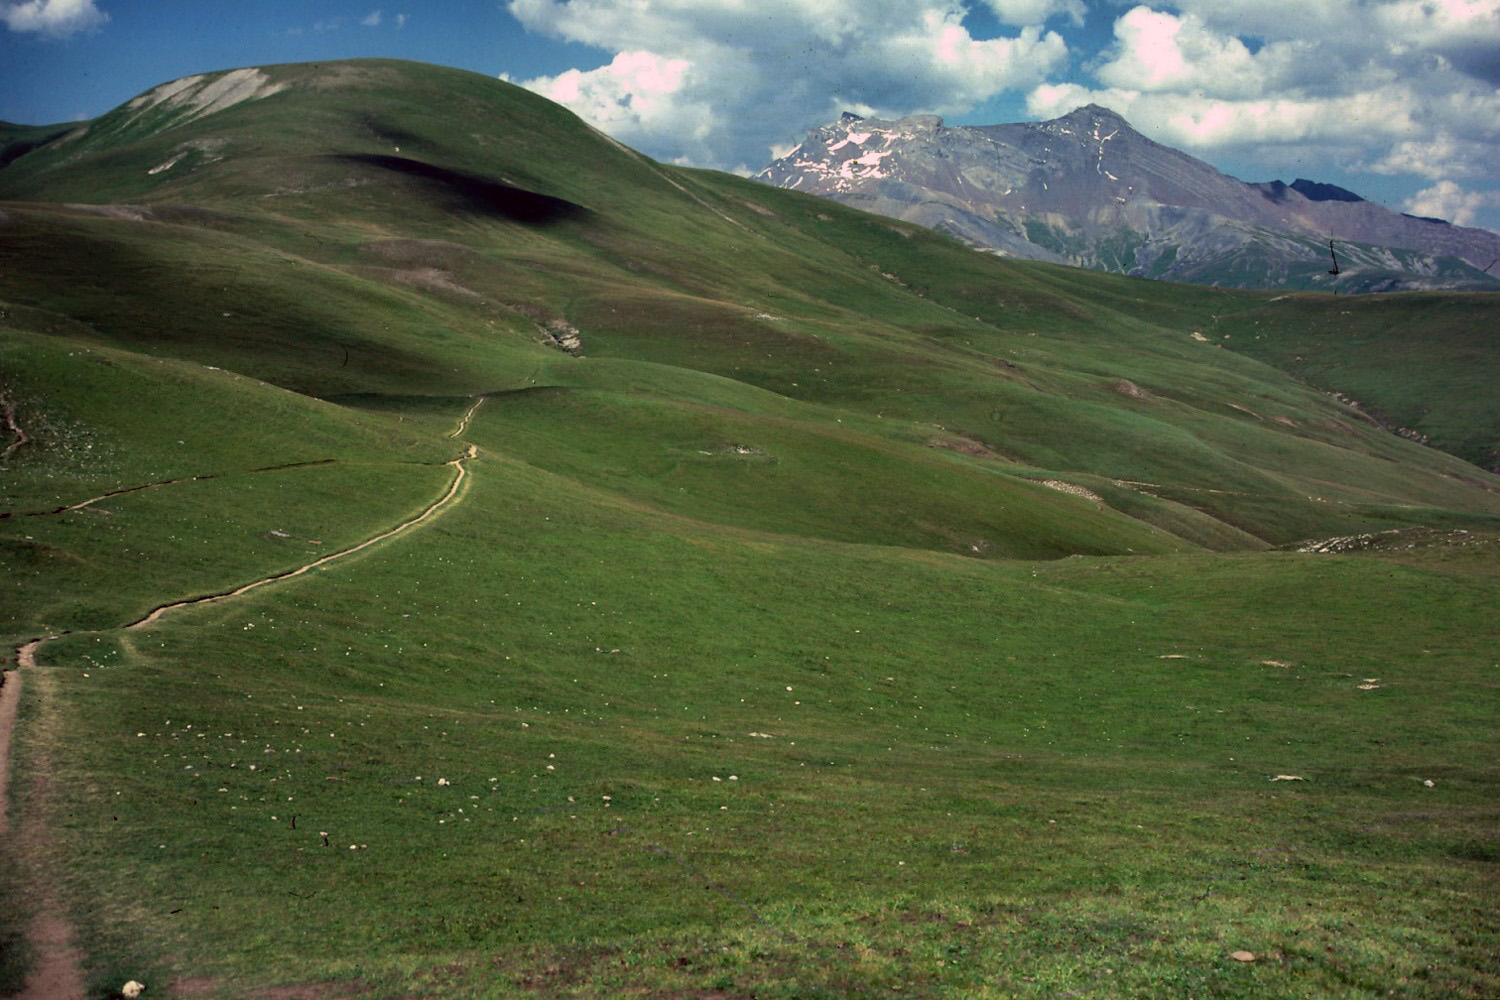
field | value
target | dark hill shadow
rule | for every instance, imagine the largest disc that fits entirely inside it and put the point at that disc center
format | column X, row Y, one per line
column 13, row 150
column 479, row 195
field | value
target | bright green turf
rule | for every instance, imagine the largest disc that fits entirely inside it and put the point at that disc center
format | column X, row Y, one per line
column 1021, row 741
column 1018, row 694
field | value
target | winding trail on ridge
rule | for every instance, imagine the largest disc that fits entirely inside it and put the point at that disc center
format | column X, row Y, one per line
column 127, row 490
column 463, row 423
column 431, row 511
column 56, row 972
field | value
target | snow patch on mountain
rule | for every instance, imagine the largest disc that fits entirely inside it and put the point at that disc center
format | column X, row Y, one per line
column 1087, row 189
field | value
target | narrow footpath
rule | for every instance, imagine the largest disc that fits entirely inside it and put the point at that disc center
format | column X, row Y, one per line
column 8, row 421
column 56, row 972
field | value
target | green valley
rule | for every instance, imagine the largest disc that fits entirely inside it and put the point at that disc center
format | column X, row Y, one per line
column 767, row 598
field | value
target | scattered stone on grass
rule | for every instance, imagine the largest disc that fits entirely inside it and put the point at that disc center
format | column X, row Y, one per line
column 1072, row 489
column 1289, row 777
column 564, row 336
column 132, row 989
column 1242, row 956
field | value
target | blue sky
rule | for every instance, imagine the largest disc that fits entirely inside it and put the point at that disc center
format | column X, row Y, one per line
column 59, row 76
column 1398, row 100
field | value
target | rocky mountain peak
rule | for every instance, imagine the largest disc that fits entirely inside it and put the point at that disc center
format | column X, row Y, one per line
column 921, row 123
column 1088, row 189
column 1314, row 191
column 1093, row 114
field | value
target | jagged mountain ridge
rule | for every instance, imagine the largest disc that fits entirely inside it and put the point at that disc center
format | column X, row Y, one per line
column 1088, row 189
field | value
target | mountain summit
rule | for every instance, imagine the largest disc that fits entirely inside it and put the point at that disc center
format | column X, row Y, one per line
column 1088, row 189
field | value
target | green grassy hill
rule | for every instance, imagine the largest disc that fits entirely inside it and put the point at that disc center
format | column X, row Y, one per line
column 824, row 610
column 1421, row 365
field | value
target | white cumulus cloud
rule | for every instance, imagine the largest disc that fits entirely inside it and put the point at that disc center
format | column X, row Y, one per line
column 1394, row 87
column 1196, row 121
column 719, row 84
column 1157, row 51
column 54, row 18
column 371, row 20
column 1447, row 200
column 1437, row 156
column 638, row 93
column 1464, row 33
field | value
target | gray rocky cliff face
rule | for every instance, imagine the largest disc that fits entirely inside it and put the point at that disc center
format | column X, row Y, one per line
column 1087, row 189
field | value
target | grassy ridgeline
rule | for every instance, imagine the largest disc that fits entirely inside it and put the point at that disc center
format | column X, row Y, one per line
column 799, row 519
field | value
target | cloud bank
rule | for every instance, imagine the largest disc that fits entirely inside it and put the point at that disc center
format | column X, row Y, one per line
column 1402, row 86
column 1396, row 88
column 717, row 84
column 52, row 18
column 1446, row 200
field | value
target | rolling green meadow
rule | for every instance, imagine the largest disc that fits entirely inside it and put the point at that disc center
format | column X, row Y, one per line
column 802, row 605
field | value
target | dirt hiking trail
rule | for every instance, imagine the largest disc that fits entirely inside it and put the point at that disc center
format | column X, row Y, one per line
column 8, row 420
column 56, row 973
column 127, row 490
column 437, row 506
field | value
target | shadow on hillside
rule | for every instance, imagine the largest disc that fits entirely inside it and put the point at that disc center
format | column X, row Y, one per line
column 480, row 195
column 429, row 404
column 13, row 151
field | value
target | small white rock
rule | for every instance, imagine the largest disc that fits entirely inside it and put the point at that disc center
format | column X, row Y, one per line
column 132, row 989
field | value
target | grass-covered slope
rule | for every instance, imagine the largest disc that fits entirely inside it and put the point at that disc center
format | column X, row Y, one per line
column 742, row 641
column 330, row 234
column 1425, row 366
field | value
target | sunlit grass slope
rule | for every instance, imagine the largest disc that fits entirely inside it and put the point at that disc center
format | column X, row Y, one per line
column 377, row 227
column 849, row 614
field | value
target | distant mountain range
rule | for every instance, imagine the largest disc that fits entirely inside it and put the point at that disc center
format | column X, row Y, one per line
column 1089, row 190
